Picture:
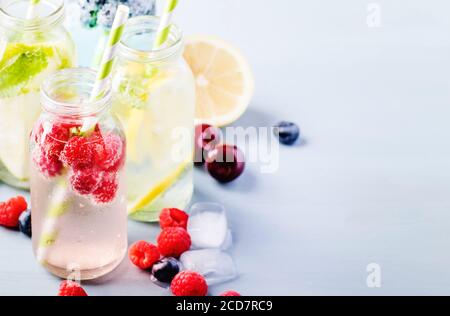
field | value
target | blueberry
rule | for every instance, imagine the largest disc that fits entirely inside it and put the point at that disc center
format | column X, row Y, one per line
column 25, row 223
column 287, row 132
column 165, row 269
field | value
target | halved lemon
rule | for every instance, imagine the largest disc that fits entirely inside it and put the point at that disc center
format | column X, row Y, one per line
column 224, row 81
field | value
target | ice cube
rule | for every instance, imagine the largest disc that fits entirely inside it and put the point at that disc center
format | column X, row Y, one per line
column 228, row 241
column 207, row 225
column 215, row 265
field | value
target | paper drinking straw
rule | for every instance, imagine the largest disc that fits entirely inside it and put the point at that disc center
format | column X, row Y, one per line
column 166, row 22
column 109, row 54
column 108, row 57
column 31, row 12
column 60, row 202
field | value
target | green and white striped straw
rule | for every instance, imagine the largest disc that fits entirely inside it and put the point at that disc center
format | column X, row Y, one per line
column 31, row 12
column 165, row 24
column 59, row 204
column 109, row 54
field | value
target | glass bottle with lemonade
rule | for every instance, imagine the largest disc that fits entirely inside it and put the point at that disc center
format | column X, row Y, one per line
column 155, row 101
column 33, row 45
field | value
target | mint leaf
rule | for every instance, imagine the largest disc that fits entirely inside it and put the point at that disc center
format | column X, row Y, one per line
column 20, row 68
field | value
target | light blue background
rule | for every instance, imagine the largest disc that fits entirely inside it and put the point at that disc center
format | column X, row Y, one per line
column 369, row 183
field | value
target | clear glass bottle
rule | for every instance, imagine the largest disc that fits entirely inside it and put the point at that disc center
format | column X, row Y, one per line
column 78, row 184
column 154, row 97
column 30, row 50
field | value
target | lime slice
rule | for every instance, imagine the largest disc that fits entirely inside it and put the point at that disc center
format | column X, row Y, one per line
column 154, row 192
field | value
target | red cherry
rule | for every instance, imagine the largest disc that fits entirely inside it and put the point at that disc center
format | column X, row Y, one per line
column 207, row 137
column 225, row 163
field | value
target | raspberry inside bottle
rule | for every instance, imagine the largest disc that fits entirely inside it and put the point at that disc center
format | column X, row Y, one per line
column 78, row 194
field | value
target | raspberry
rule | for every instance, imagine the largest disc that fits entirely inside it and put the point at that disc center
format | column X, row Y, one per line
column 77, row 153
column 71, row 288
column 50, row 141
column 110, row 152
column 85, row 181
column 55, row 139
column 143, row 254
column 107, row 188
column 230, row 293
column 10, row 211
column 173, row 217
column 49, row 165
column 173, row 241
column 189, row 283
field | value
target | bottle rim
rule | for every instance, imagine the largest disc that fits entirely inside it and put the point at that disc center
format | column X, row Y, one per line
column 81, row 79
column 55, row 16
column 149, row 24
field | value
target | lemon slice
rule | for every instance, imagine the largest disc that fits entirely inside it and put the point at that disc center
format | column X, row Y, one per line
column 160, row 188
column 224, row 80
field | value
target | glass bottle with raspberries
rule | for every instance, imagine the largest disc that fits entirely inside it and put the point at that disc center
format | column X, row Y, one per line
column 78, row 194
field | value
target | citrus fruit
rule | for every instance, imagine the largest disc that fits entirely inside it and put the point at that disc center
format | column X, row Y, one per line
column 224, row 80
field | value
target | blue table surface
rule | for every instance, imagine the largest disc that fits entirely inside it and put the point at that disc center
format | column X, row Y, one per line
column 369, row 182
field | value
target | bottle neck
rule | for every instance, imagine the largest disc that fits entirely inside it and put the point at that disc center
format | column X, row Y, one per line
column 137, row 42
column 48, row 14
column 67, row 94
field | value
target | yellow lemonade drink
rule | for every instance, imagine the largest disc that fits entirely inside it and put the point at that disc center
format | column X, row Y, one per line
column 154, row 97
column 30, row 51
